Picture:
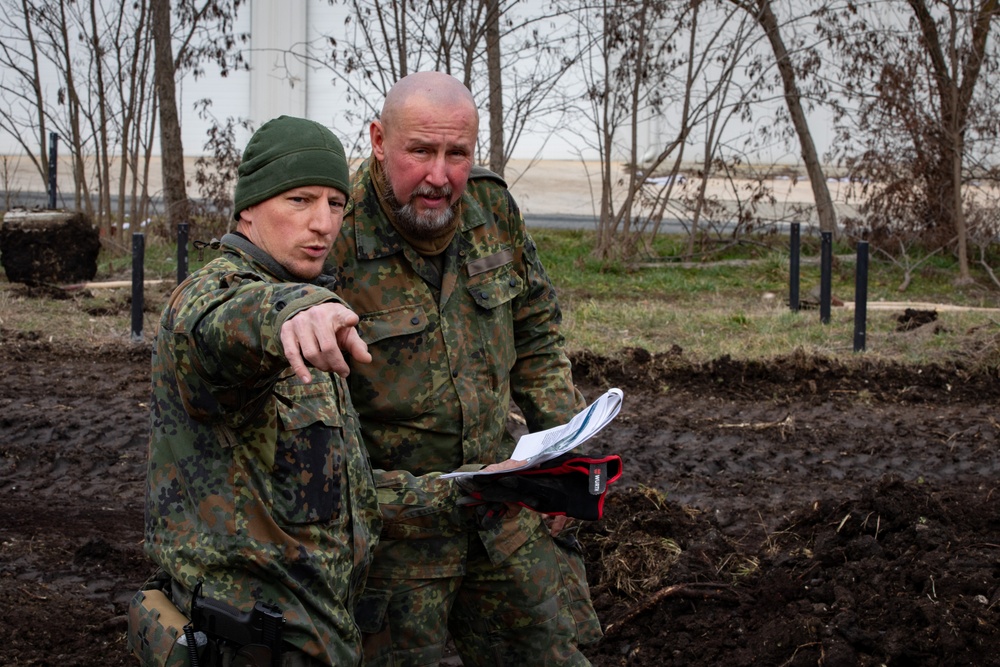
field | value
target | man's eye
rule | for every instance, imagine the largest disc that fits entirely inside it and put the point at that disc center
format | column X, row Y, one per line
column 337, row 204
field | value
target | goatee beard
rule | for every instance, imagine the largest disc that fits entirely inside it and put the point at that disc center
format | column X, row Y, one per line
column 431, row 224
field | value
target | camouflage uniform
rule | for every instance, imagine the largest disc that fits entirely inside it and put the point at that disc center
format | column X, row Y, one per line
column 258, row 487
column 452, row 344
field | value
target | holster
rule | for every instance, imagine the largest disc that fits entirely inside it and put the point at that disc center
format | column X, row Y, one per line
column 156, row 628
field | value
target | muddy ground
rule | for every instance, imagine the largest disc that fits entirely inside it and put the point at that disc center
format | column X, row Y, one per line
column 799, row 512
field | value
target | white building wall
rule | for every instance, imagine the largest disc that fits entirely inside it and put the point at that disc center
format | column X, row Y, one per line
column 323, row 100
column 278, row 81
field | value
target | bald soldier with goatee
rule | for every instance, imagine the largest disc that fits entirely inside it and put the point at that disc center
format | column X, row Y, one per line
column 460, row 318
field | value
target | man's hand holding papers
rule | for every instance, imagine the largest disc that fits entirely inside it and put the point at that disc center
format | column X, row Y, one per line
column 542, row 474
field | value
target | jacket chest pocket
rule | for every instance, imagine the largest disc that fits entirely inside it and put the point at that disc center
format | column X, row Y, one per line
column 406, row 363
column 309, row 456
column 493, row 293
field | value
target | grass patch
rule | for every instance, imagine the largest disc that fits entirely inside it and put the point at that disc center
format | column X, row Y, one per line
column 745, row 329
column 159, row 259
column 708, row 311
column 84, row 317
column 742, row 311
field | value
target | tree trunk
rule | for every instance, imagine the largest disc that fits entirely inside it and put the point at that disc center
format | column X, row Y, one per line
column 493, row 66
column 171, row 146
column 36, row 89
column 103, row 158
column 958, row 213
column 81, row 192
column 793, row 99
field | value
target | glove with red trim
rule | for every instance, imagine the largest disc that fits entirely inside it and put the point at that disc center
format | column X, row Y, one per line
column 570, row 485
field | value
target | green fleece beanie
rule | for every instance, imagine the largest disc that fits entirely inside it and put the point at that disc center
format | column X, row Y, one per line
column 287, row 153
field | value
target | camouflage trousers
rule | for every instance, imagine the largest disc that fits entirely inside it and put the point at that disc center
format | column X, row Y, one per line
column 228, row 657
column 532, row 609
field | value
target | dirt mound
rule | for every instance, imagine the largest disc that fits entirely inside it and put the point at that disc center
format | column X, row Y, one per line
column 795, row 376
column 900, row 575
column 801, row 511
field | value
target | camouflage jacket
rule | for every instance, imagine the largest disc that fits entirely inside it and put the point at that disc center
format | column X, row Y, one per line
column 450, row 352
column 258, row 486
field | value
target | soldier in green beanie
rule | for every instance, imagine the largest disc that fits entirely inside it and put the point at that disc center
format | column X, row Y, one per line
column 260, row 510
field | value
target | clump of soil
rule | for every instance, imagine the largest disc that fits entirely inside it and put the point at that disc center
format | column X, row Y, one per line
column 803, row 511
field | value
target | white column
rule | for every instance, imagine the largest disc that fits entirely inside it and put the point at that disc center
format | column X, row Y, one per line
column 277, row 79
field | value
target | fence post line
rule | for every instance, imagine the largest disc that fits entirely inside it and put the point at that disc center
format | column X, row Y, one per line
column 825, row 269
column 138, row 282
column 795, row 243
column 53, row 164
column 861, row 297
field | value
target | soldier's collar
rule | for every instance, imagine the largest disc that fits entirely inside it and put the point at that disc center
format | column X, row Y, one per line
column 377, row 237
column 239, row 242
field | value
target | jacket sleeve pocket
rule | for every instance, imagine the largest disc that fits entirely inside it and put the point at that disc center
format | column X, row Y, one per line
column 309, row 456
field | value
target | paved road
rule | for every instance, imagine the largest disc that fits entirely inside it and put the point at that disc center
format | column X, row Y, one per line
column 556, row 221
column 537, row 220
column 668, row 226
column 552, row 221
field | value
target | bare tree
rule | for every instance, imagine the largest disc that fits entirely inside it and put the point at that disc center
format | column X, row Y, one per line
column 23, row 115
column 102, row 105
column 791, row 73
column 913, row 70
column 217, row 171
column 653, row 60
column 100, row 52
column 171, row 145
column 136, row 121
column 55, row 24
column 98, row 117
column 494, row 67
column 507, row 54
column 204, row 34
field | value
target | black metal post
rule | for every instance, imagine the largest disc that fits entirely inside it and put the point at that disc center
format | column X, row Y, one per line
column 861, row 297
column 825, row 269
column 53, row 163
column 793, row 268
column 182, row 251
column 138, row 282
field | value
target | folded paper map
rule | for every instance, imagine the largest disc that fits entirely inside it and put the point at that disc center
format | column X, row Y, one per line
column 536, row 448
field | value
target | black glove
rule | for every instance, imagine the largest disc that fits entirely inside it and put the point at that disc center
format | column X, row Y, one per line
column 570, row 485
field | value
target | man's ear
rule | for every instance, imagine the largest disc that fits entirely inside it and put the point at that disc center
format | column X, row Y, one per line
column 377, row 134
column 246, row 218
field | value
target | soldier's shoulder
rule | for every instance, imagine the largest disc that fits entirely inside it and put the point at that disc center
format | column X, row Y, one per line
column 483, row 175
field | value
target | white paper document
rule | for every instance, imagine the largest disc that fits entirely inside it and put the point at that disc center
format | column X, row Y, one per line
column 535, row 448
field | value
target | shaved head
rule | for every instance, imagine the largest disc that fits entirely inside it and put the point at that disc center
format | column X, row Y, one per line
column 435, row 90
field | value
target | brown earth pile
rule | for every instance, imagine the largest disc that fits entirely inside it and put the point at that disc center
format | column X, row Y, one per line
column 798, row 512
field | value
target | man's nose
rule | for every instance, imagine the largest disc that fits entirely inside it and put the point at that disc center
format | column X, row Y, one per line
column 321, row 219
column 437, row 172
